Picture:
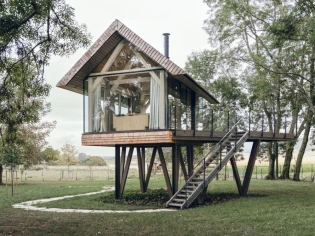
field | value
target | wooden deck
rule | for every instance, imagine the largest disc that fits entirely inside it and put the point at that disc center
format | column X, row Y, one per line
column 171, row 137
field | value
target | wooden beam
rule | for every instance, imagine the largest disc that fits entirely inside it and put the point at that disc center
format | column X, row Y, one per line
column 126, row 170
column 131, row 80
column 250, row 167
column 165, row 172
column 109, row 63
column 122, row 161
column 143, row 164
column 182, row 164
column 117, row 172
column 140, row 169
column 130, row 71
column 120, row 77
column 150, row 168
column 91, row 104
column 236, row 175
column 146, row 65
column 162, row 101
column 190, row 159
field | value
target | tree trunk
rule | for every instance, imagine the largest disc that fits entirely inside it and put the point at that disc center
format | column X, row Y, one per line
column 272, row 159
column 1, row 171
column 309, row 118
column 299, row 159
column 276, row 154
column 287, row 160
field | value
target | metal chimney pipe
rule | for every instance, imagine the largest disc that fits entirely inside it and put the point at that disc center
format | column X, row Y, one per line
column 166, row 44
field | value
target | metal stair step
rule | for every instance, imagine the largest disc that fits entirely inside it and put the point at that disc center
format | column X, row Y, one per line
column 179, row 200
column 191, row 187
column 175, row 204
column 183, row 195
column 197, row 179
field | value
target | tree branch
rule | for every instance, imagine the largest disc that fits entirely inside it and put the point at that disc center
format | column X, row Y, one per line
column 27, row 18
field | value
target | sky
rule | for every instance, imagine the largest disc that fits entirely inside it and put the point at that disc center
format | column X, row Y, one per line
column 183, row 19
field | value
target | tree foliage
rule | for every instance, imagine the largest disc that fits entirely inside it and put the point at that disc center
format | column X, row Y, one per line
column 94, row 161
column 31, row 32
column 272, row 45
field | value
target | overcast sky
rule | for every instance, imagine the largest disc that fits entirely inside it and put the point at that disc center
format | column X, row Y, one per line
column 183, row 19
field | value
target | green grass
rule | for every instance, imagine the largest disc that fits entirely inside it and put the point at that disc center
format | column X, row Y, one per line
column 272, row 208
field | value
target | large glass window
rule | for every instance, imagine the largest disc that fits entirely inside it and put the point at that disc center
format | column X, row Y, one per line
column 123, row 102
column 180, row 101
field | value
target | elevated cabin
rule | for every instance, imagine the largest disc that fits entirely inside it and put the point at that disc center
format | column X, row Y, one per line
column 134, row 97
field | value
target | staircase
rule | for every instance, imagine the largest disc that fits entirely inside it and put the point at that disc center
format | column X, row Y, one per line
column 206, row 170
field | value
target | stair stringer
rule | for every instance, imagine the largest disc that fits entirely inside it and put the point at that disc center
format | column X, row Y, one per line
column 213, row 154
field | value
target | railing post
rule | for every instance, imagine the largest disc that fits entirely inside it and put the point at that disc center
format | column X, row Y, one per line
column 211, row 122
column 194, row 120
column 175, row 116
column 228, row 121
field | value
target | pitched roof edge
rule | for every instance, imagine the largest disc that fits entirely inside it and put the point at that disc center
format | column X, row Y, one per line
column 89, row 53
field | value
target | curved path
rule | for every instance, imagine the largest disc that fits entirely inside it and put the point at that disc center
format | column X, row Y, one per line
column 29, row 205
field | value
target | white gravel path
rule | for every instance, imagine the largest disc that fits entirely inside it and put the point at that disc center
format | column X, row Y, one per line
column 29, row 205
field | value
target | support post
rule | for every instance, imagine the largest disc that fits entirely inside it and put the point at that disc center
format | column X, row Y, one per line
column 150, row 169
column 122, row 161
column 250, row 166
column 165, row 172
column 236, row 175
column 190, row 159
column 126, row 170
column 140, row 169
column 117, row 172
column 175, row 167
column 182, row 164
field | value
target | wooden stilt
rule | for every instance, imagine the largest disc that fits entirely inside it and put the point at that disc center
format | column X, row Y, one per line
column 143, row 165
column 250, row 166
column 140, row 169
column 150, row 169
column 190, row 159
column 236, row 176
column 122, row 161
column 117, row 172
column 165, row 172
column 182, row 164
column 126, row 170
column 175, row 167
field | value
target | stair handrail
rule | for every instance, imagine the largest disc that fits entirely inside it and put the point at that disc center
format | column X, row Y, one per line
column 204, row 158
column 216, row 146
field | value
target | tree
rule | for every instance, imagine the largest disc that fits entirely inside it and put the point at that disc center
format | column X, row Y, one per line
column 50, row 155
column 68, row 155
column 30, row 33
column 94, row 161
column 266, row 42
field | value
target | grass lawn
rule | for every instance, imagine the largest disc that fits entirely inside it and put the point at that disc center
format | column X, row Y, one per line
column 272, row 208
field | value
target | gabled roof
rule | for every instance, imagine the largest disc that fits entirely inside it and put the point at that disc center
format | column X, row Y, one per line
column 115, row 33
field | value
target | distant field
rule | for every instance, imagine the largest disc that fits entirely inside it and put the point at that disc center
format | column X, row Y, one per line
column 94, row 173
